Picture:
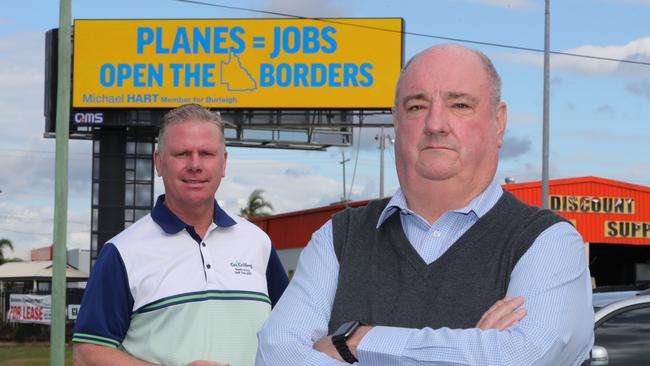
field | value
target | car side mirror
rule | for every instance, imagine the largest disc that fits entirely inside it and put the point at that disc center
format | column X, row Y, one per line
column 599, row 356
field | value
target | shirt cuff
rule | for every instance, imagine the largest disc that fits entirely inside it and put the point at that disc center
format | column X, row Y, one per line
column 383, row 345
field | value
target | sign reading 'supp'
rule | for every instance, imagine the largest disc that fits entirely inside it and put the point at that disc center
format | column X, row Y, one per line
column 232, row 63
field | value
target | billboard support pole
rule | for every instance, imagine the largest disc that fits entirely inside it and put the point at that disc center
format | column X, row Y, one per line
column 57, row 327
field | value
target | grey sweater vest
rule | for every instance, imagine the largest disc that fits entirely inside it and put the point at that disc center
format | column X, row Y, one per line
column 384, row 281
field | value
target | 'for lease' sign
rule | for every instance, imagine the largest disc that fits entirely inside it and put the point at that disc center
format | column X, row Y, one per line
column 25, row 308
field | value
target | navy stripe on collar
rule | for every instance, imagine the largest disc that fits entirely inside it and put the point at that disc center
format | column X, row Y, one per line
column 171, row 224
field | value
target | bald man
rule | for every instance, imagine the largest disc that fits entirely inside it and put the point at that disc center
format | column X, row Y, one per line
column 437, row 274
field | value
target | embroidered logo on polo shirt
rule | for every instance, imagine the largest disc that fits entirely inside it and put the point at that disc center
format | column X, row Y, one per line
column 242, row 268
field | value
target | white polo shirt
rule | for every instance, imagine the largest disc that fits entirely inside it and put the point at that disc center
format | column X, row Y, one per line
column 164, row 295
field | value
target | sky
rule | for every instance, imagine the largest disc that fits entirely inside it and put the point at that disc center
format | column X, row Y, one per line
column 599, row 110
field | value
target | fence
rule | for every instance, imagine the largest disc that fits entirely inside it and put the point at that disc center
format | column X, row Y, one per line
column 20, row 332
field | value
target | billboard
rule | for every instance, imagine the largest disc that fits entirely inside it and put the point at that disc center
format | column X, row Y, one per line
column 237, row 63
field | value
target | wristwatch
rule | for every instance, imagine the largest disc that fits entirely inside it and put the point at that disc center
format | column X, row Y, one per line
column 340, row 337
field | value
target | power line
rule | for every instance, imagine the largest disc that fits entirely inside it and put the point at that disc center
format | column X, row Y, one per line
column 424, row 35
column 39, row 234
column 39, row 219
column 39, row 151
column 24, row 232
column 356, row 160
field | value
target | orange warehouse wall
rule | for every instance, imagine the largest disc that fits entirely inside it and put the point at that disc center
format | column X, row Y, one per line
column 596, row 227
column 294, row 229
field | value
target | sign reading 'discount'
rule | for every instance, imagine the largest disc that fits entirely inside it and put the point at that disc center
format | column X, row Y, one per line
column 233, row 63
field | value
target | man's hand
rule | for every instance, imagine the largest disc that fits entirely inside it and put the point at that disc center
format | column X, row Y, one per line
column 503, row 314
column 206, row 363
column 326, row 346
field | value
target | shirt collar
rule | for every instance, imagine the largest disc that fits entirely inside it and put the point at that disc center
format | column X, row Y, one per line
column 171, row 224
column 479, row 205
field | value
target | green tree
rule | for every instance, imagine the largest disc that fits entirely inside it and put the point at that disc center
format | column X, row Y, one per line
column 255, row 205
column 5, row 243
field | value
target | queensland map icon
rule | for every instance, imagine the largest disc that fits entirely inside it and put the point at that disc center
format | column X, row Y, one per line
column 235, row 76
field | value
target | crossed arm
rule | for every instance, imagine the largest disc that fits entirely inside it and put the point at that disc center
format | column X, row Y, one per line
column 558, row 328
column 502, row 315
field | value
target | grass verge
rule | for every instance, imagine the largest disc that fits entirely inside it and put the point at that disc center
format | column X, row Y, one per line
column 29, row 354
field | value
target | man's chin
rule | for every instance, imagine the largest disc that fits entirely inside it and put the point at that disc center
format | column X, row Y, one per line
column 436, row 170
column 197, row 199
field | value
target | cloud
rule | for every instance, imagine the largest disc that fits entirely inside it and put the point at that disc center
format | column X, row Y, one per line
column 520, row 173
column 630, row 137
column 556, row 81
column 640, row 88
column 367, row 138
column 27, row 198
column 639, row 2
column 514, row 147
column 33, row 173
column 636, row 173
column 510, row 4
column 635, row 50
column 287, row 192
column 296, row 173
column 305, row 8
column 31, row 226
column 21, row 69
column 523, row 118
column 605, row 109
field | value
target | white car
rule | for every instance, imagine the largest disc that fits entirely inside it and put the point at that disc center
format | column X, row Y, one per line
column 622, row 329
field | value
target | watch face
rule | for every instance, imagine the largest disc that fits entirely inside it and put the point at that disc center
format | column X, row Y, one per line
column 346, row 329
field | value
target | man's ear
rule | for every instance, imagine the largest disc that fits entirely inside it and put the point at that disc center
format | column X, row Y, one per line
column 157, row 161
column 225, row 161
column 501, row 121
column 394, row 114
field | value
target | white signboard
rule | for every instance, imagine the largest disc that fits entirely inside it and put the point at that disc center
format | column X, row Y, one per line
column 73, row 310
column 25, row 308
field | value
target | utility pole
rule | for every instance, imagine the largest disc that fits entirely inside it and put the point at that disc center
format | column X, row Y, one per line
column 546, row 123
column 381, row 139
column 342, row 162
column 59, row 253
column 382, row 145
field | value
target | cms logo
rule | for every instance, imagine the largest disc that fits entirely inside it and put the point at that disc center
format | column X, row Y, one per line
column 89, row 117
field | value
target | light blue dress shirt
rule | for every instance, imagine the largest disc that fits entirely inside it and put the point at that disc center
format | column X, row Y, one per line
column 552, row 276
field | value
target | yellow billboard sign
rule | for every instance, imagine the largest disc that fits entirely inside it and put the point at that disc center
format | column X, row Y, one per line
column 237, row 63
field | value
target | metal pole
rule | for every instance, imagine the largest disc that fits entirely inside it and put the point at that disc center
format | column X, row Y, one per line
column 545, row 136
column 57, row 327
column 382, row 146
column 343, row 161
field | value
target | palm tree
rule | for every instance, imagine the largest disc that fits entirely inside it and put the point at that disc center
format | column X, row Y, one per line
column 255, row 205
column 5, row 243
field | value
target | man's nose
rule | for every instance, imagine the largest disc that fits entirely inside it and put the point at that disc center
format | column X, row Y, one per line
column 436, row 121
column 195, row 161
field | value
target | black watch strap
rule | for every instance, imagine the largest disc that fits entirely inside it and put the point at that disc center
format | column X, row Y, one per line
column 343, row 349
